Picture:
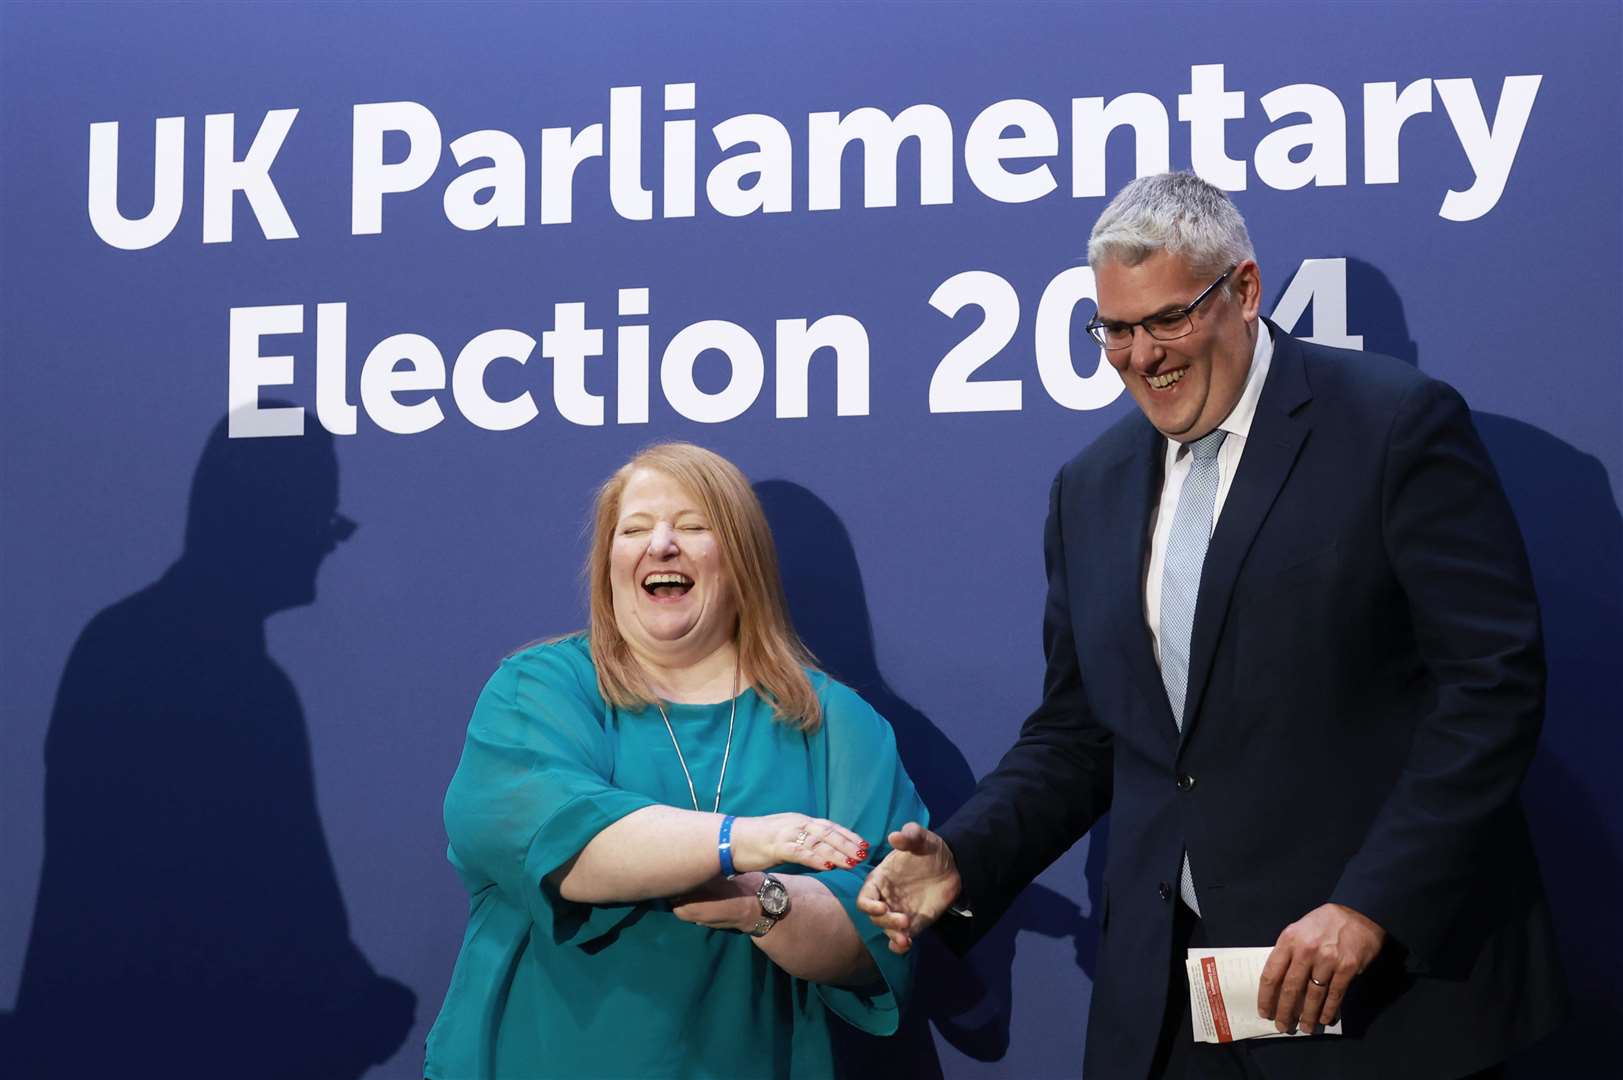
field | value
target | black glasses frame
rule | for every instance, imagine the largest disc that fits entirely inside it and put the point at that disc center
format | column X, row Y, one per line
column 1096, row 329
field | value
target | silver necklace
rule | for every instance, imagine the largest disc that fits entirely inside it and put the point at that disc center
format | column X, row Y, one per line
column 725, row 754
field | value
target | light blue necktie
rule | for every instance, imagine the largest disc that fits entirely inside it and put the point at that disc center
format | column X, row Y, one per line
column 1180, row 584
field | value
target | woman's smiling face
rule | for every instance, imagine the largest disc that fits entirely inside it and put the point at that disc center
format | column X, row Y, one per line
column 674, row 601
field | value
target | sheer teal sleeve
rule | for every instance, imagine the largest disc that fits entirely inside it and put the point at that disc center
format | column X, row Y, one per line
column 532, row 788
column 870, row 793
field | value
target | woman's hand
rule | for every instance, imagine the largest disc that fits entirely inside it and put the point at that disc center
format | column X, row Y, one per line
column 760, row 843
column 722, row 904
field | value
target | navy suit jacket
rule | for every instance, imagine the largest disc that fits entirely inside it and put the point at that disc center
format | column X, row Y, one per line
column 1366, row 688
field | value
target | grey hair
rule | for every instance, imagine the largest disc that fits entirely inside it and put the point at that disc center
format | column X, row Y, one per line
column 1176, row 212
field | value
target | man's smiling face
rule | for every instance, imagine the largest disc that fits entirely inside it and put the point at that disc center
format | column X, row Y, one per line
column 1188, row 386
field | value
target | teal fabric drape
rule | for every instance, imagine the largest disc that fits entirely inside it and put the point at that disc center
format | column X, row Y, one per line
column 549, row 988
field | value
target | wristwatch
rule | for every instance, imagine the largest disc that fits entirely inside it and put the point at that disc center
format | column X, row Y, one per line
column 774, row 900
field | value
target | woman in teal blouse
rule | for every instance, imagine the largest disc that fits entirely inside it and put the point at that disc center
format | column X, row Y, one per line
column 660, row 821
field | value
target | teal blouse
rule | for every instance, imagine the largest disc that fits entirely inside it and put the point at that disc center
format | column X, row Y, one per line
column 545, row 987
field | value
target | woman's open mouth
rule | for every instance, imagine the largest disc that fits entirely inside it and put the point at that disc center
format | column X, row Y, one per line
column 665, row 585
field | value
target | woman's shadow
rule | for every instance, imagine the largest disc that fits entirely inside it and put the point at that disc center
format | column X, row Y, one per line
column 189, row 921
column 967, row 1000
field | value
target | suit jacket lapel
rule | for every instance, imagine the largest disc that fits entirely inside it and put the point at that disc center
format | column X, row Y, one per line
column 1129, row 519
column 1277, row 433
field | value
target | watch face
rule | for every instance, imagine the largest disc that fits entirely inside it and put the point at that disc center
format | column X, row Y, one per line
column 774, row 898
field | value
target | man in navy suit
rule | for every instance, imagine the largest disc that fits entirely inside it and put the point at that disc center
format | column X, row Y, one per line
column 1292, row 644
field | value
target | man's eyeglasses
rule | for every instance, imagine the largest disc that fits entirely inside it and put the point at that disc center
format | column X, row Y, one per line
column 1167, row 326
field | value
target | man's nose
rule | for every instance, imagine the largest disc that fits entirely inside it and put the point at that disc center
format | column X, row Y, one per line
column 1145, row 352
column 662, row 541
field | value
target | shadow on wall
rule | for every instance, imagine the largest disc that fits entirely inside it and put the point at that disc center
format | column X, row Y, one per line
column 967, row 1000
column 1574, row 533
column 189, row 921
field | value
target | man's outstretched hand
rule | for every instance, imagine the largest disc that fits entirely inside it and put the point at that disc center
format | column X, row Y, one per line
column 912, row 887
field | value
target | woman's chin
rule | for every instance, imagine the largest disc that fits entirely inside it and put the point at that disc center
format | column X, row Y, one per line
column 668, row 629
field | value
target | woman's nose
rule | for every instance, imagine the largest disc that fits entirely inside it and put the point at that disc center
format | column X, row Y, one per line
column 663, row 539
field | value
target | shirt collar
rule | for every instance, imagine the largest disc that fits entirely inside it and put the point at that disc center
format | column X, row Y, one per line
column 1245, row 410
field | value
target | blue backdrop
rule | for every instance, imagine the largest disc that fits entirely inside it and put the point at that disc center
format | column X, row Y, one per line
column 283, row 787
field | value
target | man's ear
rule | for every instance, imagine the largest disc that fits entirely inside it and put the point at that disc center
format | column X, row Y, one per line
column 1248, row 288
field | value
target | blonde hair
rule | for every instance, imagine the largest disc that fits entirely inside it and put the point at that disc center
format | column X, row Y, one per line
column 768, row 647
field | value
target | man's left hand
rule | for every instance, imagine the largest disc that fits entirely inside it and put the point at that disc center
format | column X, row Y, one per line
column 1313, row 962
column 722, row 904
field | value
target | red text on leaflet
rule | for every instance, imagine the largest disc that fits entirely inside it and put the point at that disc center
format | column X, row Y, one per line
column 1214, row 997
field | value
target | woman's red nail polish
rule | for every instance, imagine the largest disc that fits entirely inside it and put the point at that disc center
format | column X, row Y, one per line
column 852, row 862
column 828, row 866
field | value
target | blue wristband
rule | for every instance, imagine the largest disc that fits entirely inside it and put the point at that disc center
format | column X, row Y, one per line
column 724, row 847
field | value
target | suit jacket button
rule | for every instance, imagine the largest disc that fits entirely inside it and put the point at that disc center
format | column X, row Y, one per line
column 1165, row 890
column 1186, row 782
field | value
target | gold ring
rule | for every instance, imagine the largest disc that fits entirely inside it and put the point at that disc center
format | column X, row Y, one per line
column 1316, row 982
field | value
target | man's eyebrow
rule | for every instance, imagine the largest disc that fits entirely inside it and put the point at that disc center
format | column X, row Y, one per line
column 1168, row 310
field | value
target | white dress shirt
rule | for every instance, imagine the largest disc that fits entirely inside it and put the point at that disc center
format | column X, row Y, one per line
column 1176, row 467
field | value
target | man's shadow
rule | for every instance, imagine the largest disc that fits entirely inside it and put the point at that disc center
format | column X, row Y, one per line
column 967, row 1000
column 189, row 921
column 1570, row 521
